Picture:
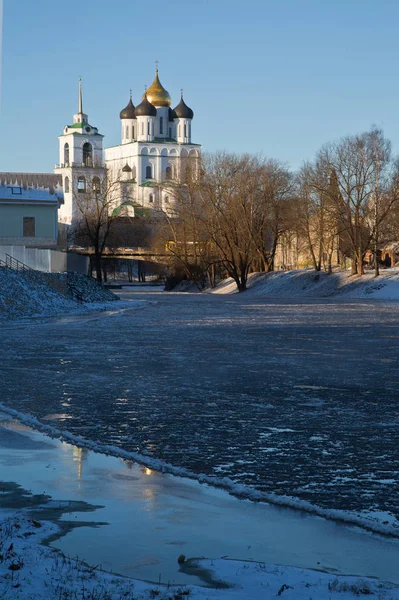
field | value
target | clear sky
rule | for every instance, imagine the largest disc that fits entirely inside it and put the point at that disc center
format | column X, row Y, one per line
column 280, row 77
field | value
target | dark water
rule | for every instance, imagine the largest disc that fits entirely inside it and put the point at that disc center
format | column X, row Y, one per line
column 293, row 398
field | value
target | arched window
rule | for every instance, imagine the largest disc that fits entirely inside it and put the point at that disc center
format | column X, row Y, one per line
column 66, row 185
column 148, row 128
column 66, row 154
column 185, row 130
column 151, row 198
column 168, row 172
column 132, row 132
column 148, row 172
column 81, row 184
column 166, row 199
column 161, row 125
column 87, row 155
column 96, row 185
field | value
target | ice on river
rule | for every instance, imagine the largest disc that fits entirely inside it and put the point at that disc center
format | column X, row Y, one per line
column 289, row 400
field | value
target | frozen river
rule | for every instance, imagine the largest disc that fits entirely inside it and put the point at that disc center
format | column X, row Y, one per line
column 293, row 398
column 143, row 520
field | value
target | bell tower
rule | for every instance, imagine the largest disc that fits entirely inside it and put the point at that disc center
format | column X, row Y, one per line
column 81, row 161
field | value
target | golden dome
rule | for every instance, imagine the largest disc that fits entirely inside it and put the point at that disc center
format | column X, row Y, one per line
column 157, row 94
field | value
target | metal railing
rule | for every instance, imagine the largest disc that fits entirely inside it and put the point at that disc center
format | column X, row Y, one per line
column 15, row 264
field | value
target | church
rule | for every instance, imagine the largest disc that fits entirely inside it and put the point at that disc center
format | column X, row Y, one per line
column 156, row 142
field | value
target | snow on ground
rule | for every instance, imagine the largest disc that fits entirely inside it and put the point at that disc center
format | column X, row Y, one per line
column 308, row 283
column 30, row 293
column 31, row 571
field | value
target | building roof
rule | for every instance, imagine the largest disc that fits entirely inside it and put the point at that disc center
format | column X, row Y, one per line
column 157, row 94
column 39, row 187
column 182, row 111
column 145, row 109
column 128, row 111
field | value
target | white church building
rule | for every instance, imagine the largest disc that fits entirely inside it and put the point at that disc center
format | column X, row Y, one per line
column 156, row 140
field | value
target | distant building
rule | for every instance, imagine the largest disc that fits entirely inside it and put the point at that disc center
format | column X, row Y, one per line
column 156, row 144
column 29, row 204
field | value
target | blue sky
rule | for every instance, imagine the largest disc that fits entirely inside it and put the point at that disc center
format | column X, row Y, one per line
column 280, row 77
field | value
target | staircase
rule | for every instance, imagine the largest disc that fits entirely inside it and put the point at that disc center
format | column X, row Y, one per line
column 15, row 264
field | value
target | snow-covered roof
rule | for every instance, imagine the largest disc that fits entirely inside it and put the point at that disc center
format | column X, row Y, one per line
column 35, row 187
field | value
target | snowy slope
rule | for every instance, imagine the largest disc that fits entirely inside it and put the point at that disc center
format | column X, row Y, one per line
column 24, row 294
column 308, row 284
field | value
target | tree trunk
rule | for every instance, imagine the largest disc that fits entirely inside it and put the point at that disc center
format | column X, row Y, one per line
column 376, row 263
column 360, row 270
column 98, row 267
column 353, row 265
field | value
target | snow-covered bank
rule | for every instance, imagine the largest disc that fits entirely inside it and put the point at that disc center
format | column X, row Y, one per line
column 377, row 522
column 31, row 571
column 308, row 284
column 24, row 294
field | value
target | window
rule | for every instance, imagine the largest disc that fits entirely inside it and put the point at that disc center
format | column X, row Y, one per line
column 87, row 155
column 168, row 172
column 148, row 128
column 151, row 198
column 142, row 129
column 148, row 172
column 81, row 184
column 29, row 227
column 66, row 154
column 170, row 133
column 185, row 130
column 161, row 125
column 166, row 199
column 66, row 185
column 132, row 132
column 179, row 130
column 16, row 191
column 96, row 185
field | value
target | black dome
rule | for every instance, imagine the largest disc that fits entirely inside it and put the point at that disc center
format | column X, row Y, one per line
column 172, row 115
column 145, row 109
column 128, row 112
column 182, row 111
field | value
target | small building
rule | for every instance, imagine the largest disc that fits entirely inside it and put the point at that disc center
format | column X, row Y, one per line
column 29, row 204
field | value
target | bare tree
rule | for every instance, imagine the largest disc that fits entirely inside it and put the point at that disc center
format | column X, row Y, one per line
column 99, row 202
column 358, row 163
column 267, row 206
column 227, row 189
column 317, row 205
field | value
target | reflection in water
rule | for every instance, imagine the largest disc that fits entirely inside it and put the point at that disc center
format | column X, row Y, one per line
column 150, row 515
column 79, row 456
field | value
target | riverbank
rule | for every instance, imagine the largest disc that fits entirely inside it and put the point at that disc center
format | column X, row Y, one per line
column 146, row 520
column 307, row 283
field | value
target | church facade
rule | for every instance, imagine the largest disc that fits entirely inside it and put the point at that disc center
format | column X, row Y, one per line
column 156, row 143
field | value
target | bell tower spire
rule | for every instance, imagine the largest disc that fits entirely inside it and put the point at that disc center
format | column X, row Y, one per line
column 80, row 117
column 80, row 101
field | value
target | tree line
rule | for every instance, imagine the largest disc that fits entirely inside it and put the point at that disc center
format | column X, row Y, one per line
column 232, row 218
column 232, row 214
